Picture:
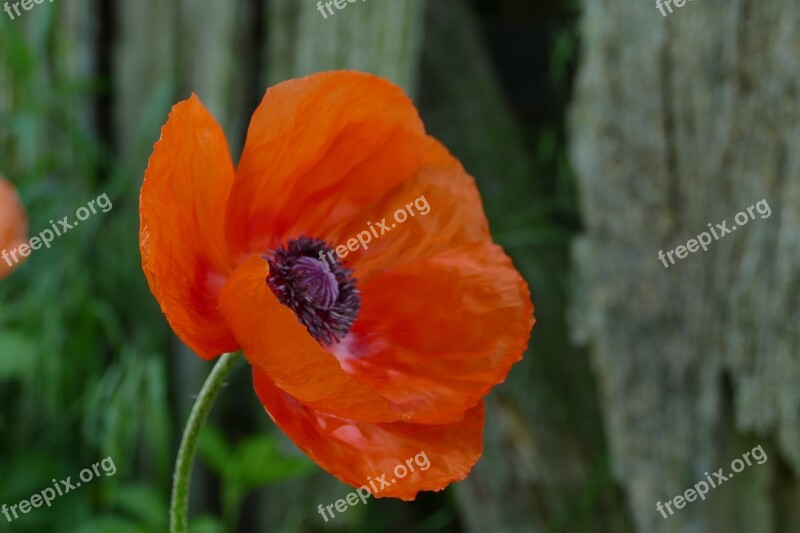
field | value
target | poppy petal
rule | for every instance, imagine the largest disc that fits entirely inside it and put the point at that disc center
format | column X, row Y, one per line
column 442, row 209
column 357, row 452
column 13, row 227
column 182, row 208
column 434, row 336
column 276, row 342
column 319, row 150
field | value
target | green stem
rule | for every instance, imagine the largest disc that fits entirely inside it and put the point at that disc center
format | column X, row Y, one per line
column 179, row 510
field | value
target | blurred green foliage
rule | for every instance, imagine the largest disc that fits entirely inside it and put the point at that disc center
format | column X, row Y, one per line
column 253, row 463
column 82, row 366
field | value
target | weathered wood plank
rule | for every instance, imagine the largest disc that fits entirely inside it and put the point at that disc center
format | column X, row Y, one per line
column 380, row 37
column 680, row 122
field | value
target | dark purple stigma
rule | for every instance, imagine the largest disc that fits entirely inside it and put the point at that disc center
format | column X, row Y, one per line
column 320, row 291
column 316, row 282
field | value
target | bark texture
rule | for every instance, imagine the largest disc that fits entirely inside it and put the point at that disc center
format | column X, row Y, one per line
column 381, row 37
column 678, row 122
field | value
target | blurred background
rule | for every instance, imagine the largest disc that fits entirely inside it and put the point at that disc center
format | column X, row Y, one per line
column 599, row 133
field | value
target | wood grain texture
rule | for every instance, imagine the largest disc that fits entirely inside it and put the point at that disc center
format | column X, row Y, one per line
column 376, row 36
column 679, row 122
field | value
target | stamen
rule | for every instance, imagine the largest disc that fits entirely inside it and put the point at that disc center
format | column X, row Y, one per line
column 316, row 282
column 323, row 296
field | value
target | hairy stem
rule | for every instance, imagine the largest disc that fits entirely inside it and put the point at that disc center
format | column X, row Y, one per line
column 179, row 509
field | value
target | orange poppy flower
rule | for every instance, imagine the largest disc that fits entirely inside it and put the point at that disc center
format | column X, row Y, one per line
column 13, row 228
column 363, row 363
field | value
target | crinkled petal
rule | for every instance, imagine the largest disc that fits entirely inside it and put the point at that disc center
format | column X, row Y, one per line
column 182, row 208
column 442, row 209
column 360, row 453
column 319, row 150
column 434, row 336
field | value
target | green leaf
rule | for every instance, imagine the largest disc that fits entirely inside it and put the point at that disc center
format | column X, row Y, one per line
column 110, row 524
column 214, row 450
column 206, row 524
column 143, row 503
column 257, row 461
column 17, row 353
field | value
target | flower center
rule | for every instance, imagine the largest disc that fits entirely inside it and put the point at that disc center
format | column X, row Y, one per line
column 321, row 292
